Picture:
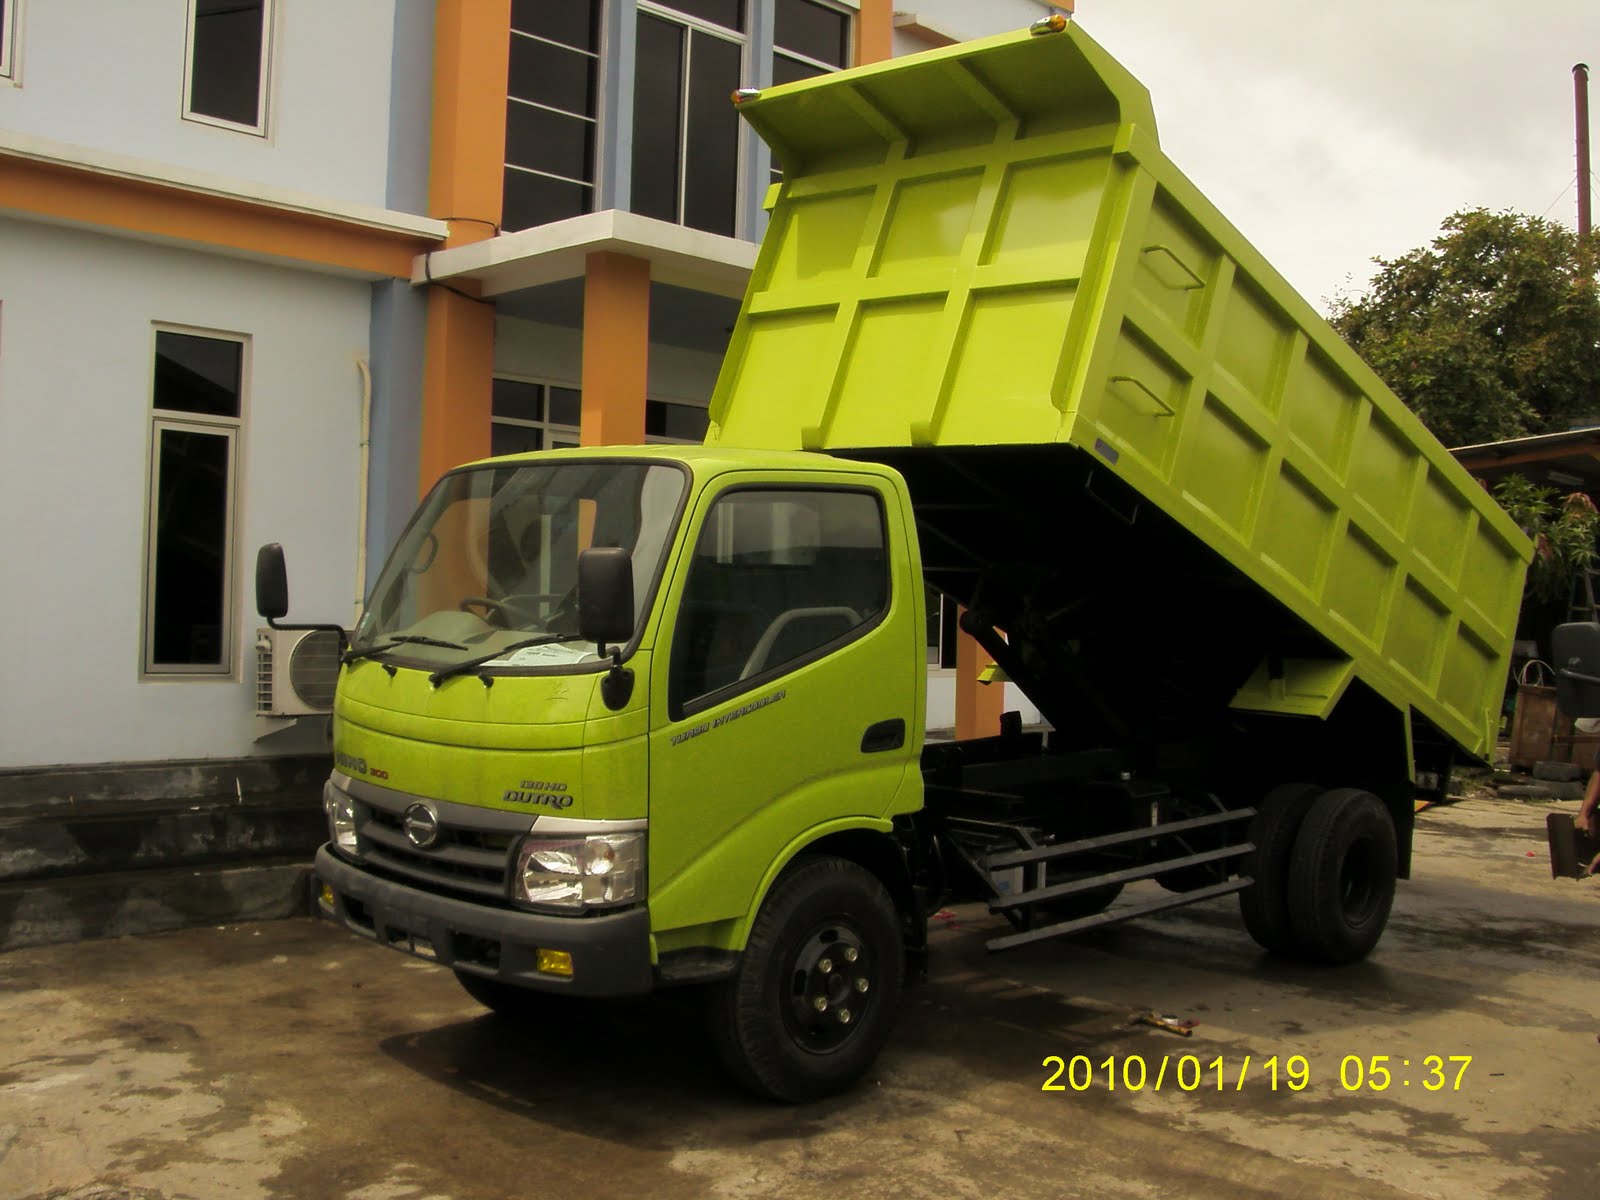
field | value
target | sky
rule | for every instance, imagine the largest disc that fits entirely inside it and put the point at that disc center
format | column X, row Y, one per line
column 1331, row 134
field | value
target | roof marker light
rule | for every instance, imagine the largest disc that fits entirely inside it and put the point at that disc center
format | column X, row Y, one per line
column 1054, row 23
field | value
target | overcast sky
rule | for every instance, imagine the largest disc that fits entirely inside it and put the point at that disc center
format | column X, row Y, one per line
column 1333, row 133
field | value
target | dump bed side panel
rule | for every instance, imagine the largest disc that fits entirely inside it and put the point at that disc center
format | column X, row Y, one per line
column 985, row 246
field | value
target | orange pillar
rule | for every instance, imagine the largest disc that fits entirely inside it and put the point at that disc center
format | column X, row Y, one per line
column 978, row 705
column 457, row 378
column 471, row 48
column 616, row 348
column 875, row 31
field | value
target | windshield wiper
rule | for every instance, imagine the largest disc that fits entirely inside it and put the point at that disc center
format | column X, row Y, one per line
column 468, row 664
column 398, row 639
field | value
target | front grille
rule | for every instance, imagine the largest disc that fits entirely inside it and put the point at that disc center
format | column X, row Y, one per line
column 461, row 859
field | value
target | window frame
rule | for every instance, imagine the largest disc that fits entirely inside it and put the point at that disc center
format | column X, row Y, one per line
column 232, row 428
column 546, row 427
column 593, row 119
column 691, row 24
column 10, row 27
column 264, row 87
column 852, row 17
column 679, row 708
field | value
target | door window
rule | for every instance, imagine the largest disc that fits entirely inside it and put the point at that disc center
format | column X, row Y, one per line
column 778, row 578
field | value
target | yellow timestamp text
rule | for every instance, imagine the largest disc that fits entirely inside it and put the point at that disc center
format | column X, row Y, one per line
column 1293, row 1072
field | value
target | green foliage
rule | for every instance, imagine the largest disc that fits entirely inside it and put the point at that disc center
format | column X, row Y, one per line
column 1563, row 534
column 1491, row 332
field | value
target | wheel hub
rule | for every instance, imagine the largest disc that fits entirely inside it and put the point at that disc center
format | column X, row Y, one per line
column 830, row 986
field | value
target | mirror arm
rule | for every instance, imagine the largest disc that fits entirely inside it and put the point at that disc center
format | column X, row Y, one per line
column 617, row 687
column 1568, row 673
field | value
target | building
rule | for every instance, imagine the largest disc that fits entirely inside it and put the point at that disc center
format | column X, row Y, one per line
column 268, row 268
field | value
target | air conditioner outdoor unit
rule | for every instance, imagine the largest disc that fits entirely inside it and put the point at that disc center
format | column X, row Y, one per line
column 296, row 670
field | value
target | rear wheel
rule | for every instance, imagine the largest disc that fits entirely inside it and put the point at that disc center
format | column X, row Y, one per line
column 1342, row 878
column 813, row 999
column 1264, row 905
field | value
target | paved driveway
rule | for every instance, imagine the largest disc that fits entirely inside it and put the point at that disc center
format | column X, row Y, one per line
column 290, row 1060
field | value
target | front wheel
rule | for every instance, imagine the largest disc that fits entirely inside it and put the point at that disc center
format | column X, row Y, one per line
column 813, row 999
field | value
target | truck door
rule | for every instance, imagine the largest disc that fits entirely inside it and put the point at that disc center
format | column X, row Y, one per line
column 792, row 687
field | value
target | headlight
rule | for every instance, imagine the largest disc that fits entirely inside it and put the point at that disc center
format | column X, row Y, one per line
column 341, row 812
column 596, row 871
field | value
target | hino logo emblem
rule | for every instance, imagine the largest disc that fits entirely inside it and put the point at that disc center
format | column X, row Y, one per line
column 421, row 824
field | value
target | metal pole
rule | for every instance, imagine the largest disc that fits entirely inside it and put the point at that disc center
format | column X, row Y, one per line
column 1580, row 88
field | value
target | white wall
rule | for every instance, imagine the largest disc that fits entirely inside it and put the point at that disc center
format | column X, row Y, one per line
column 76, row 351
column 109, row 74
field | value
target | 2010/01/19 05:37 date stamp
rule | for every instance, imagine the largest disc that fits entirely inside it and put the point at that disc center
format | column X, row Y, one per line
column 1194, row 1073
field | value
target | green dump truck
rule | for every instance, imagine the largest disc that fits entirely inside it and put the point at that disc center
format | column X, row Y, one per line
column 627, row 718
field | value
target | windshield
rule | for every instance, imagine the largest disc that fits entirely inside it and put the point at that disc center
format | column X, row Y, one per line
column 491, row 562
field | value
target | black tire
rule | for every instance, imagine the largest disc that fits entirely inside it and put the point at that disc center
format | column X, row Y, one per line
column 827, row 932
column 1264, row 905
column 515, row 1003
column 1341, row 883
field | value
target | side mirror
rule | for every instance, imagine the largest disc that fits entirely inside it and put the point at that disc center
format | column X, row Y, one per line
column 605, row 595
column 1576, row 650
column 272, row 583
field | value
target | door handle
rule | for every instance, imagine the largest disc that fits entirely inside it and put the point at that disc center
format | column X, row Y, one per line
column 885, row 735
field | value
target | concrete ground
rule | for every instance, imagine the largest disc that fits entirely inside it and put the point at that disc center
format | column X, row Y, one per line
column 286, row 1059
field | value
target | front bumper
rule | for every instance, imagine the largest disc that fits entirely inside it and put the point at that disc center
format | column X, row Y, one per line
column 610, row 951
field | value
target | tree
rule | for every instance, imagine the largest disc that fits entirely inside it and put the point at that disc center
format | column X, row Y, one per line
column 1491, row 332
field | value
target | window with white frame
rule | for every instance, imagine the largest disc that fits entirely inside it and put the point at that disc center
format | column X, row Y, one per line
column 225, row 80
column 690, row 58
column 552, row 79
column 809, row 38
column 8, row 38
column 527, row 415
column 197, row 408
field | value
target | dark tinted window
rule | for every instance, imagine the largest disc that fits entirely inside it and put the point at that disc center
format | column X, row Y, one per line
column 518, row 400
column 727, row 13
column 791, row 70
column 538, row 199
column 551, row 75
column 197, row 374
column 570, row 22
column 711, row 183
column 548, row 141
column 813, row 30
column 657, row 102
column 225, row 60
column 566, row 406
column 514, row 439
column 686, row 422
column 190, row 527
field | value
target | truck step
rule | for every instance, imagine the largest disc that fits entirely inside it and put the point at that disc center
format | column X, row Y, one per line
column 1126, row 875
column 1112, row 917
column 1014, row 858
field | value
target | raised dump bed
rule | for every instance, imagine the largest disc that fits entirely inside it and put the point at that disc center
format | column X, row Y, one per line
column 982, row 269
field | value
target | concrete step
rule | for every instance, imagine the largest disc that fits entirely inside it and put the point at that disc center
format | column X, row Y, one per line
column 51, row 839
column 38, row 912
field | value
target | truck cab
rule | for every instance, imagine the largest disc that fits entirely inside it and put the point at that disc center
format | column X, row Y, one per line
column 539, row 807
